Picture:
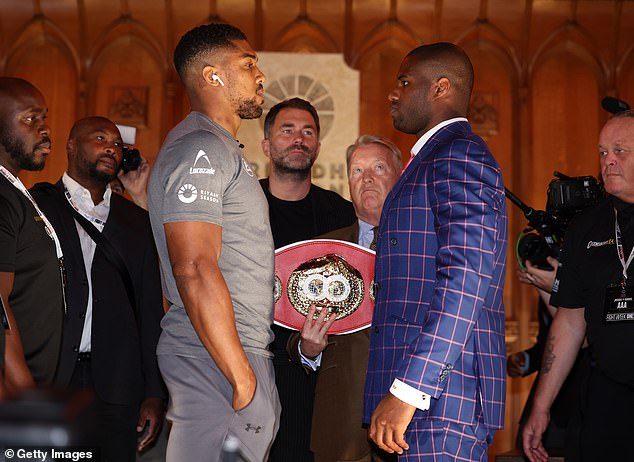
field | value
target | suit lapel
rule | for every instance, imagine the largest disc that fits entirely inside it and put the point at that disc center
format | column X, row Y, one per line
column 111, row 227
column 354, row 232
column 440, row 136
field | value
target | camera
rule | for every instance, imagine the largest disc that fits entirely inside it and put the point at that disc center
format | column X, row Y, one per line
column 569, row 196
column 131, row 158
column 543, row 237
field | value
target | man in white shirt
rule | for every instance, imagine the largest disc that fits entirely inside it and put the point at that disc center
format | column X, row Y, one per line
column 114, row 294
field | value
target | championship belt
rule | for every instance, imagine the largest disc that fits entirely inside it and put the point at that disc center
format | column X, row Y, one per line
column 334, row 275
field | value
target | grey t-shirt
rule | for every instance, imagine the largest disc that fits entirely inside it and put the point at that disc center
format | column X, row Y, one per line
column 200, row 175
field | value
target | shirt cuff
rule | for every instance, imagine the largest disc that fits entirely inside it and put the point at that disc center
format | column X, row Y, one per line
column 313, row 363
column 410, row 395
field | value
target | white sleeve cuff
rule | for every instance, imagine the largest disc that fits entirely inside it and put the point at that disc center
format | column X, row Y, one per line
column 410, row 395
column 314, row 363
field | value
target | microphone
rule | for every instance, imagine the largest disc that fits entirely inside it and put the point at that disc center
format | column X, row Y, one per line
column 614, row 105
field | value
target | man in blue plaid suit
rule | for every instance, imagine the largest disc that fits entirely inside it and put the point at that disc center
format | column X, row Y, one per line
column 435, row 386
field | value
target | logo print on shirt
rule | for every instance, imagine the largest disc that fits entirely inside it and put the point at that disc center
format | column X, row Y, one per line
column 247, row 167
column 204, row 160
column 600, row 244
column 187, row 193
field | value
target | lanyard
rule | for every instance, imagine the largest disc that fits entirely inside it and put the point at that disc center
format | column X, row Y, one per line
column 619, row 248
column 47, row 227
column 47, row 224
column 100, row 223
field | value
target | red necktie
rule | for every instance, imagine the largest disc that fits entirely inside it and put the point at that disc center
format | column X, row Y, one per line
column 408, row 162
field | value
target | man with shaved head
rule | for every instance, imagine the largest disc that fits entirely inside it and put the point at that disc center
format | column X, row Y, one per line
column 30, row 254
column 113, row 294
column 435, row 386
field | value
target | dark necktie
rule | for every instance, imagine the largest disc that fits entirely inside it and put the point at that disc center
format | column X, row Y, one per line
column 373, row 243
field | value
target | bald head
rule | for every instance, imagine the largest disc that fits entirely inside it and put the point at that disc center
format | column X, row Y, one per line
column 434, row 84
column 24, row 133
column 447, row 60
column 88, row 124
column 616, row 155
column 94, row 152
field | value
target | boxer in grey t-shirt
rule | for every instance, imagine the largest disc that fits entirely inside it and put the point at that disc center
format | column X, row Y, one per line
column 210, row 222
column 200, row 175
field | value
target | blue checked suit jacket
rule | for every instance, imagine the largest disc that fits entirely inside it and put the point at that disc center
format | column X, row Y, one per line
column 438, row 320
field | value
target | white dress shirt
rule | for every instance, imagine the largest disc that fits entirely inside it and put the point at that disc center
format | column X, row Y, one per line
column 97, row 215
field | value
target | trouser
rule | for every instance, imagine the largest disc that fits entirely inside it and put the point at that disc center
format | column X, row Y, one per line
column 297, row 393
column 436, row 440
column 116, row 423
column 202, row 415
column 606, row 421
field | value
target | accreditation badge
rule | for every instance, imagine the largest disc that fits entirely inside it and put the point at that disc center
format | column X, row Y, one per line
column 333, row 275
column 619, row 303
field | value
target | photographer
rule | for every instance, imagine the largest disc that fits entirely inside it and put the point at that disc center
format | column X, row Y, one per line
column 593, row 295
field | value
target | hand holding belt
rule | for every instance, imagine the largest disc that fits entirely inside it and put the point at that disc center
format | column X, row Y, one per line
column 331, row 274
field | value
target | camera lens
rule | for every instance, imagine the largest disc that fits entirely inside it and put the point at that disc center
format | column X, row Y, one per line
column 534, row 248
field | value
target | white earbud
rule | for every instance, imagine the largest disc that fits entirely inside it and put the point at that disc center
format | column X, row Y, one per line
column 215, row 77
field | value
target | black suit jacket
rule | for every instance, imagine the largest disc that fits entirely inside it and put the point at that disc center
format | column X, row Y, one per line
column 124, row 337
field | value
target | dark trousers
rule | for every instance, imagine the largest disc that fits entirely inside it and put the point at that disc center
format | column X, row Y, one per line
column 604, row 420
column 296, row 390
column 115, row 423
column 607, row 421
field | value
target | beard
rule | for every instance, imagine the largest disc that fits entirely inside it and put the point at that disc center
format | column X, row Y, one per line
column 96, row 174
column 249, row 109
column 283, row 164
column 25, row 160
column 410, row 119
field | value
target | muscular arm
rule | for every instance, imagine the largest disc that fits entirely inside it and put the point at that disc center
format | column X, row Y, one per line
column 194, row 249
column 564, row 340
column 16, row 372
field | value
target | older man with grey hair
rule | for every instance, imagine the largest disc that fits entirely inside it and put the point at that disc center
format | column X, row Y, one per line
column 374, row 164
